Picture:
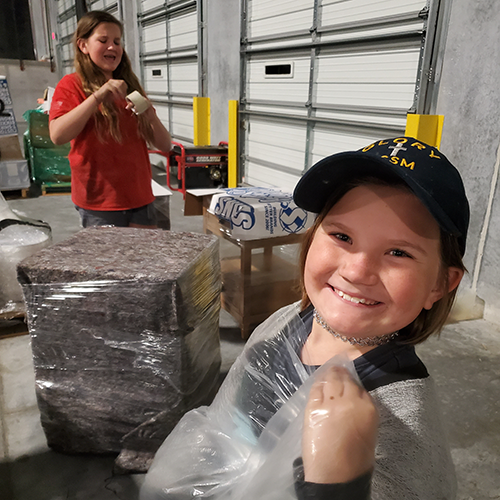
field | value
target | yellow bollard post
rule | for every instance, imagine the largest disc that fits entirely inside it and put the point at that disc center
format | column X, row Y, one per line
column 425, row 128
column 232, row 150
column 201, row 121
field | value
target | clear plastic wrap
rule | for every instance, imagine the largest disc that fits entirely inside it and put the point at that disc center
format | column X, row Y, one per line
column 243, row 445
column 124, row 328
column 20, row 237
column 246, row 443
column 48, row 162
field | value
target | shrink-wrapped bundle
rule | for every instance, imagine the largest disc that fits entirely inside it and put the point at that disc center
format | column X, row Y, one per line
column 125, row 339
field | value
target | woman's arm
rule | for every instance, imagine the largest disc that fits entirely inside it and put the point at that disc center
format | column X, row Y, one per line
column 161, row 136
column 66, row 127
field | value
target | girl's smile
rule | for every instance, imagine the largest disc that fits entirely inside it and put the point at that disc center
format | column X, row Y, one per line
column 374, row 262
column 355, row 300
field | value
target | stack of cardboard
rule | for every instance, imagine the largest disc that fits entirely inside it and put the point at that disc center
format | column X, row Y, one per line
column 14, row 172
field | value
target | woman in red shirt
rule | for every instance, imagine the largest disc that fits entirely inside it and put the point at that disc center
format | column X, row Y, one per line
column 110, row 167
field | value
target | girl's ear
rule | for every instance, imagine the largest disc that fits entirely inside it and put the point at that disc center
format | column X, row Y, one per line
column 82, row 45
column 455, row 276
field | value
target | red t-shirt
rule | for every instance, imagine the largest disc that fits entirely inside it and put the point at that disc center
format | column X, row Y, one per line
column 105, row 175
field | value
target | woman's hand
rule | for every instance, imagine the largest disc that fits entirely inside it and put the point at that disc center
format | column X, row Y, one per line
column 112, row 90
column 66, row 127
column 340, row 429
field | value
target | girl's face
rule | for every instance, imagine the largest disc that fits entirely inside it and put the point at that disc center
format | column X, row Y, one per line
column 374, row 262
column 104, row 46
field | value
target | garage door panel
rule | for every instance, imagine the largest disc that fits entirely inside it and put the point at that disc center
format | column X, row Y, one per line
column 381, row 117
column 299, row 67
column 154, row 37
column 146, row 5
column 394, row 66
column 264, row 9
column 398, row 96
column 275, row 154
column 109, row 5
column 289, row 92
column 262, row 176
column 280, row 145
column 183, row 30
column 284, row 136
column 184, row 78
column 155, row 82
column 155, row 86
column 295, row 21
column 162, row 111
column 328, row 142
column 183, row 121
column 337, row 13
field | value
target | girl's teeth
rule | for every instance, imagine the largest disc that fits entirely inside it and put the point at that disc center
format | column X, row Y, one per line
column 354, row 299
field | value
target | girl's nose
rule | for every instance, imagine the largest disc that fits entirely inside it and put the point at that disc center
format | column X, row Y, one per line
column 359, row 268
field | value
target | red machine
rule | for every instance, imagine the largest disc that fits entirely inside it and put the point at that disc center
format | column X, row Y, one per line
column 196, row 166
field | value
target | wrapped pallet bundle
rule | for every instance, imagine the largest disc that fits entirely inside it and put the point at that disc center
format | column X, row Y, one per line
column 124, row 328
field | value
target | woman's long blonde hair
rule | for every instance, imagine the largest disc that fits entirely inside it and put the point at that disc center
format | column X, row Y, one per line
column 93, row 78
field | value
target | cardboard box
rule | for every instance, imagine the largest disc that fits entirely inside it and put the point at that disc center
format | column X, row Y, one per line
column 198, row 200
column 255, row 212
column 14, row 174
column 10, row 149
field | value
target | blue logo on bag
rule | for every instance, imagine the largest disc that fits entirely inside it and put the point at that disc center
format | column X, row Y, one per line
column 237, row 212
column 292, row 218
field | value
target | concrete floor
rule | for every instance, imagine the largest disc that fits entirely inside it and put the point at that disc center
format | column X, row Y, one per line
column 464, row 362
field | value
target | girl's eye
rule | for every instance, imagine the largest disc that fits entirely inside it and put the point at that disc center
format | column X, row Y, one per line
column 342, row 237
column 400, row 253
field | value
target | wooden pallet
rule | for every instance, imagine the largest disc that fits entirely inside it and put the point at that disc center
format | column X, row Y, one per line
column 55, row 188
column 13, row 327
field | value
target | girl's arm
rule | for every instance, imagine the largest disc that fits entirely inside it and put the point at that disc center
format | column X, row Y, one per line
column 66, row 127
column 162, row 139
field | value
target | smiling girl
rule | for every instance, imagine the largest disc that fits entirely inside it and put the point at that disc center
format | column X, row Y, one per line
column 380, row 268
column 110, row 168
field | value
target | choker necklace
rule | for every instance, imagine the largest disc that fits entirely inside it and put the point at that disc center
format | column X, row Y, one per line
column 367, row 341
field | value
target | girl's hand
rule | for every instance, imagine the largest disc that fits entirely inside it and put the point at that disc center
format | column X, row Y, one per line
column 340, row 430
column 112, row 90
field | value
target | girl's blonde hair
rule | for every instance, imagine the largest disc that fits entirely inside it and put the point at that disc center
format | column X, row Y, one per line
column 93, row 78
column 428, row 321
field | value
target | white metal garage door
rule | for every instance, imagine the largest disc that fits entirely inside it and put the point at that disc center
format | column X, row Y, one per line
column 322, row 76
column 170, row 52
column 66, row 25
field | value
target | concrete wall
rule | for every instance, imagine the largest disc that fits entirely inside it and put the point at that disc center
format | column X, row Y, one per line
column 26, row 85
column 469, row 98
column 222, row 59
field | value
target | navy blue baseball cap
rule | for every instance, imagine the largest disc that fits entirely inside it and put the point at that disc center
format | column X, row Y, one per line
column 426, row 171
